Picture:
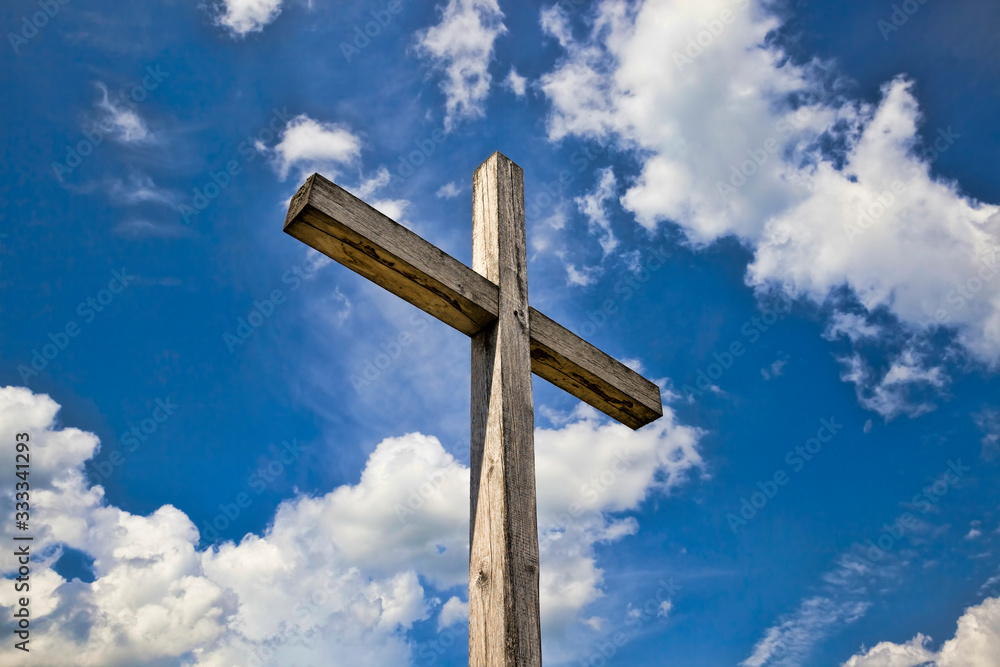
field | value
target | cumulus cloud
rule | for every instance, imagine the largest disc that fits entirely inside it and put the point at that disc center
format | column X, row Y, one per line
column 349, row 569
column 461, row 47
column 976, row 644
column 242, row 17
column 454, row 611
column 310, row 145
column 734, row 138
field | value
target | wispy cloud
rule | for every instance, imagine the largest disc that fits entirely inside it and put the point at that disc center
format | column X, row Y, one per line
column 140, row 189
column 461, row 47
column 137, row 228
column 448, row 191
column 901, row 389
column 123, row 123
column 774, row 370
column 988, row 421
column 393, row 208
column 583, row 276
column 592, row 205
column 789, row 643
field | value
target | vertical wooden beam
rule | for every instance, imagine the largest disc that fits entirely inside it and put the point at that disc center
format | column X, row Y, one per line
column 504, row 625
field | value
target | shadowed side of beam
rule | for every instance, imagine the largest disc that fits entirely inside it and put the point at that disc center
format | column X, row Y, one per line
column 341, row 226
column 574, row 365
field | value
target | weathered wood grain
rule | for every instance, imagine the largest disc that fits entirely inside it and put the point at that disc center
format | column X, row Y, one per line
column 504, row 621
column 341, row 226
column 574, row 365
column 344, row 228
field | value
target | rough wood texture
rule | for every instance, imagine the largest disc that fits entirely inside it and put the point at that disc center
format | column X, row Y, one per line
column 574, row 365
column 345, row 228
column 504, row 625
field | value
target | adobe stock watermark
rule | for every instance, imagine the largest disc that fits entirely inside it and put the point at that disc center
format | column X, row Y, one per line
column 372, row 29
column 875, row 209
column 659, row 605
column 551, row 191
column 94, row 137
column 131, row 440
column 305, row 613
column 448, row 637
column 410, row 161
column 967, row 290
column 247, row 326
column 796, row 459
column 698, row 44
column 420, row 495
column 258, row 481
column 752, row 330
column 88, row 309
column 625, row 288
column 925, row 500
column 247, row 151
column 899, row 17
column 377, row 364
column 30, row 27
column 740, row 174
column 593, row 489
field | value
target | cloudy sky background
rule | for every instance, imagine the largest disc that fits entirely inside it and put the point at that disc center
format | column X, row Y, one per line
column 783, row 212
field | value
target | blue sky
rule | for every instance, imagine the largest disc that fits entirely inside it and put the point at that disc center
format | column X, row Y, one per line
column 782, row 212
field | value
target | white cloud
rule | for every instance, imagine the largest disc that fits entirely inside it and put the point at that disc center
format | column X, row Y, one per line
column 774, row 370
column 120, row 121
column 375, row 183
column 137, row 228
column 242, row 17
column 448, row 191
column 454, row 611
column 976, row 644
column 988, row 421
column 855, row 327
column 515, row 83
column 345, row 567
column 730, row 138
column 461, row 47
column 898, row 391
column 583, row 276
column 140, row 189
column 592, row 206
column 791, row 640
column 311, row 146
column 392, row 208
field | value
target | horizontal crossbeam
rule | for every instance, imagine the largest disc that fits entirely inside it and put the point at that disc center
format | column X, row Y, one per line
column 336, row 223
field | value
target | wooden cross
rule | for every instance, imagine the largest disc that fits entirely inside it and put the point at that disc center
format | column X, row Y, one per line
column 510, row 340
